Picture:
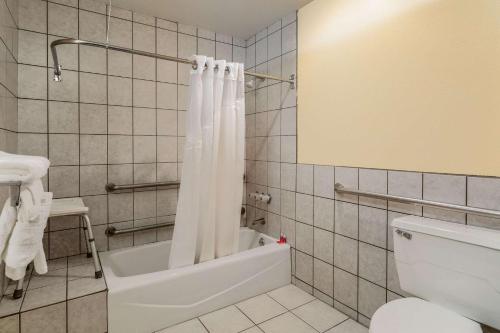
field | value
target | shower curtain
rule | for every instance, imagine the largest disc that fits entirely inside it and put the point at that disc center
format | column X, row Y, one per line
column 208, row 210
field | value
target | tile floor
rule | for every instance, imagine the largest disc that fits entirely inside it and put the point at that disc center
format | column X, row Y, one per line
column 284, row 310
column 67, row 278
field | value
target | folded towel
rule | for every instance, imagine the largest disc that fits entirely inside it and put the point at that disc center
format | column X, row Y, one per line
column 25, row 244
column 22, row 168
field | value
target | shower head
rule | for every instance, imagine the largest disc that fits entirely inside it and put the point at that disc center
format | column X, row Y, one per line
column 57, row 74
column 249, row 84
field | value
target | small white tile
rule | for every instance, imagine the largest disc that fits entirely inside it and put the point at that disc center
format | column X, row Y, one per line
column 323, row 278
column 223, row 51
column 144, row 19
column 120, row 32
column 261, row 53
column 324, row 181
column 32, row 48
column 346, row 253
column 290, row 296
column 33, row 15
column 372, row 264
column 226, row 320
column 191, row 326
column 304, row 238
column 68, row 91
column 166, row 42
column 62, row 20
column 319, row 315
column 121, row 13
column 93, row 6
column 261, row 308
column 304, row 270
column 143, row 37
column 345, row 288
column 187, row 46
column 371, row 297
column 206, row 47
column 289, row 38
column 92, row 26
column 323, row 245
column 187, row 29
column 286, row 323
column 165, row 24
column 346, row 219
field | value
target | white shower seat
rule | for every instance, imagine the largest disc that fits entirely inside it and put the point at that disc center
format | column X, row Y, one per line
column 72, row 207
column 76, row 207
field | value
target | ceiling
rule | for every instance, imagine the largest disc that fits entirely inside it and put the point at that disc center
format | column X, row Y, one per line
column 239, row 18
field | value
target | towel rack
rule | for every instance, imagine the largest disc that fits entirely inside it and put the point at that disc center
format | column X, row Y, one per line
column 112, row 187
column 420, row 202
column 14, row 190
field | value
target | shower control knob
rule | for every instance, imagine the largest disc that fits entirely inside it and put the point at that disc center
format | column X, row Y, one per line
column 260, row 197
column 265, row 198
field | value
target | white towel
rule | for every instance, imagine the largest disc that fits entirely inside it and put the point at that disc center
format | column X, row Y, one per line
column 7, row 221
column 26, row 242
column 22, row 168
column 21, row 229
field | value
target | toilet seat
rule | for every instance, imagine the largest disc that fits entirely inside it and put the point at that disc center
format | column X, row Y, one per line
column 414, row 315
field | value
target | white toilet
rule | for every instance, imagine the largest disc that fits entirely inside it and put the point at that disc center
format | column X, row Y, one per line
column 453, row 268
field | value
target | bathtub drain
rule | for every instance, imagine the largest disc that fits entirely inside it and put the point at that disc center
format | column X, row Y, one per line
column 261, row 241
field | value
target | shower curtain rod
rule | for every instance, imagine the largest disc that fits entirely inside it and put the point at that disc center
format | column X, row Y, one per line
column 58, row 67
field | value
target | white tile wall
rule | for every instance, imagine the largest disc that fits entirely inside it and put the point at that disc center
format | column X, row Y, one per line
column 114, row 117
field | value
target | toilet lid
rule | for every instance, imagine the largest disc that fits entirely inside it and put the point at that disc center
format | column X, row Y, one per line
column 413, row 315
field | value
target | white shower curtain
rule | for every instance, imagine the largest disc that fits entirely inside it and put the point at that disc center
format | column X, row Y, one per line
column 208, row 211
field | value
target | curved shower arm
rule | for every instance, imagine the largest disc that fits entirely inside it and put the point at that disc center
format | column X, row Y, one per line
column 58, row 67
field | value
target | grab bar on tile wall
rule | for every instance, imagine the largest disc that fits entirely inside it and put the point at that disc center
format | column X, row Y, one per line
column 111, row 187
column 112, row 231
column 420, row 202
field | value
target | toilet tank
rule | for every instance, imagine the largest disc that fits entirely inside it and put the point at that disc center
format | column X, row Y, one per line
column 454, row 265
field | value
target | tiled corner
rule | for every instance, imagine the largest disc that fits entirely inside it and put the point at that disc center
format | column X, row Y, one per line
column 68, row 295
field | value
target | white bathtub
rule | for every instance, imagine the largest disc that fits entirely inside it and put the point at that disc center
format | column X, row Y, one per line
column 145, row 296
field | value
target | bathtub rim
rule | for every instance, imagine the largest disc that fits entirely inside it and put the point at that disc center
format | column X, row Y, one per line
column 117, row 283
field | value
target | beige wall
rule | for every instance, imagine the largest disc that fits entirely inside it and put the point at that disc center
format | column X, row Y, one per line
column 400, row 84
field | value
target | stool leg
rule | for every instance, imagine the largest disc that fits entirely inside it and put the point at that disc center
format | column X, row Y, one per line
column 98, row 271
column 87, row 237
column 18, row 292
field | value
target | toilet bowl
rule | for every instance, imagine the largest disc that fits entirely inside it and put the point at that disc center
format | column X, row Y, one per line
column 414, row 315
column 453, row 269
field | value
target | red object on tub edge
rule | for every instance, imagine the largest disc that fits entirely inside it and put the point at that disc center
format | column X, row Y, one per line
column 282, row 239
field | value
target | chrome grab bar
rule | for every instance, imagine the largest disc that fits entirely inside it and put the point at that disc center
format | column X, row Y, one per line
column 112, row 187
column 112, row 231
column 458, row 208
column 260, row 221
